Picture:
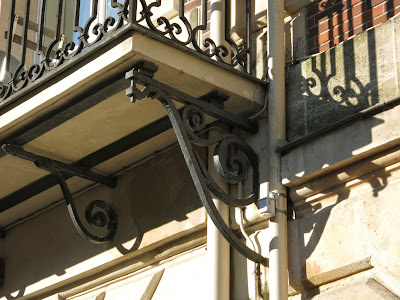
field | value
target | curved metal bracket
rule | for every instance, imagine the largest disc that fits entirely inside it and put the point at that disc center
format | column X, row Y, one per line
column 233, row 157
column 98, row 213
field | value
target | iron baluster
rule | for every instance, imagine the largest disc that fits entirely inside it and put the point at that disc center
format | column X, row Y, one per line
column 10, row 36
column 42, row 9
column 25, row 32
column 21, row 74
column 58, row 18
column 132, row 11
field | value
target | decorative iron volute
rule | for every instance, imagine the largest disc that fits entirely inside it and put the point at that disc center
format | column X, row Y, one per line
column 98, row 213
column 234, row 159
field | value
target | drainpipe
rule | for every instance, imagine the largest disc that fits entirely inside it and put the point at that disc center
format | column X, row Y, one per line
column 218, row 249
column 278, row 276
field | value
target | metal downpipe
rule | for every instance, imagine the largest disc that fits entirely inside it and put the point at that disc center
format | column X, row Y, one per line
column 278, row 275
column 218, row 249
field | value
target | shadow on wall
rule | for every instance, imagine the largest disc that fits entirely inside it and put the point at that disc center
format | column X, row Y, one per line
column 152, row 201
column 325, row 89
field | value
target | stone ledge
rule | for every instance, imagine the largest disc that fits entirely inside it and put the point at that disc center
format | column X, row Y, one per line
column 330, row 276
column 340, row 177
column 369, row 288
column 336, row 151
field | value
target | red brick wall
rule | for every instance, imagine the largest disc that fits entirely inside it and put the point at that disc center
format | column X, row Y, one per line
column 330, row 22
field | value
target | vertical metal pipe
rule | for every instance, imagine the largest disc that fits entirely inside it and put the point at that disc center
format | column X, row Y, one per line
column 218, row 249
column 25, row 31
column 217, row 25
column 278, row 278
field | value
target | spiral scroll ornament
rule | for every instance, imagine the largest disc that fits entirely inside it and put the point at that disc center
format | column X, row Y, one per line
column 233, row 157
column 100, row 214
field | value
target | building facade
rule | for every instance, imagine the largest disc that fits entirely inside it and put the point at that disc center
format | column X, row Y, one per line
column 199, row 149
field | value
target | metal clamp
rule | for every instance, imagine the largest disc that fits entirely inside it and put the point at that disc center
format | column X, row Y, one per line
column 267, row 205
column 276, row 195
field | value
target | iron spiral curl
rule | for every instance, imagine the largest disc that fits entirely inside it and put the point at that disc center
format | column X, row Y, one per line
column 232, row 157
column 104, row 218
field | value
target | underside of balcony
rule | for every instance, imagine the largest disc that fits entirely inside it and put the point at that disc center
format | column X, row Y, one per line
column 79, row 114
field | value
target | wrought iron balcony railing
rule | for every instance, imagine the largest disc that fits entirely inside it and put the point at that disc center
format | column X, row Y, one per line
column 49, row 33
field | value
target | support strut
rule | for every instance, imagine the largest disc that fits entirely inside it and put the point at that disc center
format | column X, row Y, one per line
column 98, row 213
column 234, row 159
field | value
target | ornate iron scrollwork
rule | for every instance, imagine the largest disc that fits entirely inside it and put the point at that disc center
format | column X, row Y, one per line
column 188, row 35
column 98, row 213
column 140, row 14
column 233, row 157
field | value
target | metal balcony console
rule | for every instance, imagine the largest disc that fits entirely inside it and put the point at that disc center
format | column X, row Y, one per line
column 98, row 213
column 53, row 47
column 234, row 159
